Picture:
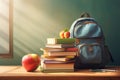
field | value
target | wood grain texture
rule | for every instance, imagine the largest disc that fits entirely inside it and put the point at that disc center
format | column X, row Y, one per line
column 19, row 73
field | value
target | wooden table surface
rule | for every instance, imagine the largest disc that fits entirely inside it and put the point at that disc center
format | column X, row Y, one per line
column 19, row 73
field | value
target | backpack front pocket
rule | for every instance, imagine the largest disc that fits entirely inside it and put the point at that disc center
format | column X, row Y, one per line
column 90, row 53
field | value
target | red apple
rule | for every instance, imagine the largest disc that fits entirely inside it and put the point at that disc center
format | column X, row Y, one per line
column 64, row 34
column 30, row 62
column 67, row 34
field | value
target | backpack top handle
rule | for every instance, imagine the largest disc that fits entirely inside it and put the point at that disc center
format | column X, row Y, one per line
column 85, row 14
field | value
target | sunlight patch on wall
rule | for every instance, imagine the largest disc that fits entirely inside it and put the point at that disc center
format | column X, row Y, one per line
column 32, row 27
column 4, row 26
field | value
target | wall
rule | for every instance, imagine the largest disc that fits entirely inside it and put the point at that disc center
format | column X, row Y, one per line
column 36, row 20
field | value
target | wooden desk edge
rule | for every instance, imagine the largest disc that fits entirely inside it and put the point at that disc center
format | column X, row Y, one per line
column 16, row 72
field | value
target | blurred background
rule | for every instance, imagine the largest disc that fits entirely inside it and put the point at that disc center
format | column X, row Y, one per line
column 36, row 20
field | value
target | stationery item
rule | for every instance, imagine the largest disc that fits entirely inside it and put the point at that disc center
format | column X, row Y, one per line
column 103, row 70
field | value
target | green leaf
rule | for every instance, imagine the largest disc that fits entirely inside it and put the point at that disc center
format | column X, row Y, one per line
column 66, row 29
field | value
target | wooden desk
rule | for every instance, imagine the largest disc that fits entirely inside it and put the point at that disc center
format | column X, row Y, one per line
column 18, row 73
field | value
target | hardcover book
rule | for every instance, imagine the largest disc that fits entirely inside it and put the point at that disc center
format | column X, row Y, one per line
column 52, row 49
column 60, row 45
column 57, row 65
column 74, row 49
column 65, row 58
column 55, row 61
column 60, row 41
column 56, row 70
column 61, row 53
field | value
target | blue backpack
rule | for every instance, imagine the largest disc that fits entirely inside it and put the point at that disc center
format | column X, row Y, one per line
column 93, row 53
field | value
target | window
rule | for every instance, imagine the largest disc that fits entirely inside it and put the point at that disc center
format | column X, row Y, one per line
column 6, row 24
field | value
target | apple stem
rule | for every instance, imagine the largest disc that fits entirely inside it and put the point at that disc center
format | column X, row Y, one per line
column 66, row 30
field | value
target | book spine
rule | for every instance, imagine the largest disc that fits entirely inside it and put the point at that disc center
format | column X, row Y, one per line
column 60, row 41
column 65, row 41
column 58, row 65
column 59, row 45
column 57, row 70
column 67, row 45
column 74, row 49
column 61, row 53
column 53, row 49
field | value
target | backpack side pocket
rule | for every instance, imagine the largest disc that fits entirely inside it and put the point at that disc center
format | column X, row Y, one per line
column 90, row 53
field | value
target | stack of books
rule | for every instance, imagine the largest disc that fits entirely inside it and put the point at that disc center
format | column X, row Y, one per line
column 58, row 55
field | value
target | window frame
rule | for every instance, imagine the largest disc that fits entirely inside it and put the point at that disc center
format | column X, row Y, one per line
column 10, row 53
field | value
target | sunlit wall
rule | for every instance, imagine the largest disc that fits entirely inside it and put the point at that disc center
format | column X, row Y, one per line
column 4, row 26
column 36, row 20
